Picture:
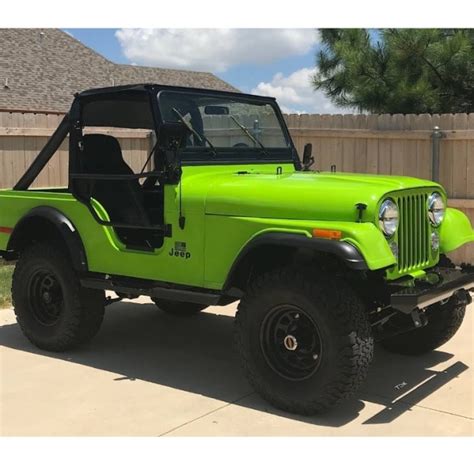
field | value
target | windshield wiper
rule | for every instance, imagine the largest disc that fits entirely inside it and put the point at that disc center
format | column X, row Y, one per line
column 246, row 130
column 196, row 134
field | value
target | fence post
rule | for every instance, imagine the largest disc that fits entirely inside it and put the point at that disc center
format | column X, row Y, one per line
column 436, row 137
column 151, row 144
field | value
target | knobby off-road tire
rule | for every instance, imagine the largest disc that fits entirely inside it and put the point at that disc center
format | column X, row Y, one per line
column 443, row 323
column 331, row 326
column 178, row 308
column 54, row 312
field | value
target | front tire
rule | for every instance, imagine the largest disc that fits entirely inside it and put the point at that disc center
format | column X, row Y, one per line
column 305, row 341
column 53, row 311
column 443, row 323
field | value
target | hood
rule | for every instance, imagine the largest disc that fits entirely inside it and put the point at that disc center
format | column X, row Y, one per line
column 303, row 195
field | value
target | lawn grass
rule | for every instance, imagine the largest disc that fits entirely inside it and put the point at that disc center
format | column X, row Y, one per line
column 6, row 271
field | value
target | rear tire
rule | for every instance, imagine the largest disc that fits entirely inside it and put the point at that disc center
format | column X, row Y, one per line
column 178, row 308
column 53, row 311
column 324, row 326
column 443, row 323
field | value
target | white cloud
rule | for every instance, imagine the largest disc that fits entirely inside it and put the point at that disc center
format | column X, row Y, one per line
column 213, row 50
column 295, row 93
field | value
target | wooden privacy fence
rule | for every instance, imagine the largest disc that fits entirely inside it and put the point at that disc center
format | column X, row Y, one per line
column 384, row 144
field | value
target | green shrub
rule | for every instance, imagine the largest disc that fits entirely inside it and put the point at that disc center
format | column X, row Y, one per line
column 6, row 271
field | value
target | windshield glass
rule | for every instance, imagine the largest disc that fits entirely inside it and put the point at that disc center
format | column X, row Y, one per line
column 226, row 127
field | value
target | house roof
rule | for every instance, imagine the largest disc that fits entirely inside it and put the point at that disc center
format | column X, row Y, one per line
column 41, row 69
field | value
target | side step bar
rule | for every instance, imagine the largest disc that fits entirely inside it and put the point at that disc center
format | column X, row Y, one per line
column 152, row 289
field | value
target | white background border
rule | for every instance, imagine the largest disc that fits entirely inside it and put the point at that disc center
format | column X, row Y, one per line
column 231, row 455
column 237, row 13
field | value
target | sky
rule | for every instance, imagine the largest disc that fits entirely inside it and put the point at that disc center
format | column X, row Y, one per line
column 273, row 62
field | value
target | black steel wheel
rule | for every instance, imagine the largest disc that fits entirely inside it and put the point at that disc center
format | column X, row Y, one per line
column 291, row 342
column 54, row 312
column 304, row 340
column 46, row 297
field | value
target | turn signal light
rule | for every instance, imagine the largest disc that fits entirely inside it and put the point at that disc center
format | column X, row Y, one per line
column 327, row 234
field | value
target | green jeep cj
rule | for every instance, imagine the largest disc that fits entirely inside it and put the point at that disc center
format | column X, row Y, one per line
column 323, row 263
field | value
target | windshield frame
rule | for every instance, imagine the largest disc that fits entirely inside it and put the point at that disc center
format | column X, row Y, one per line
column 231, row 155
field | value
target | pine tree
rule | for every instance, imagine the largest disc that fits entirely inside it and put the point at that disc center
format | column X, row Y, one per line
column 398, row 70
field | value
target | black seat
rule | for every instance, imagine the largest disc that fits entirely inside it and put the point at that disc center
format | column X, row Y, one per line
column 123, row 199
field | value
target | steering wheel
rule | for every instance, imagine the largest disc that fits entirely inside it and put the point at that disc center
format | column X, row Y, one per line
column 240, row 145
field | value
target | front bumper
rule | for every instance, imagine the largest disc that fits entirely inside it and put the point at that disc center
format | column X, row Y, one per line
column 438, row 286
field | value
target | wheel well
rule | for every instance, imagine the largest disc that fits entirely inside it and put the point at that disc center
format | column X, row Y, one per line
column 32, row 230
column 267, row 257
column 255, row 261
column 48, row 225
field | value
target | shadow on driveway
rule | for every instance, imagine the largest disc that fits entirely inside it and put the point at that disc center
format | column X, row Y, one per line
column 196, row 354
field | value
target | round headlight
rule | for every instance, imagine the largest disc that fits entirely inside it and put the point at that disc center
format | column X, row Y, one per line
column 388, row 217
column 436, row 209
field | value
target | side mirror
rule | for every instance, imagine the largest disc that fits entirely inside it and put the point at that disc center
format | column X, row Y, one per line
column 308, row 159
column 172, row 136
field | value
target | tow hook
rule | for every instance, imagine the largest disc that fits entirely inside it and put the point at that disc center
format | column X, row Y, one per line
column 419, row 318
column 463, row 297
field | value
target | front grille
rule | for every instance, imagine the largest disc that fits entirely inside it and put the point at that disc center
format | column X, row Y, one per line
column 413, row 233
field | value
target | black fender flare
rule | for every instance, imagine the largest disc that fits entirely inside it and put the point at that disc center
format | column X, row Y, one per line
column 63, row 225
column 344, row 251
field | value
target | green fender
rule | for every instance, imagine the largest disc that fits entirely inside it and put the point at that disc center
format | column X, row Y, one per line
column 455, row 231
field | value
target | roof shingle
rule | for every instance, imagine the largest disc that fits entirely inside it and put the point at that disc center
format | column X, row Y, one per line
column 41, row 69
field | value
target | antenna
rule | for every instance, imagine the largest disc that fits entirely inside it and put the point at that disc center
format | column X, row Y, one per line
column 181, row 219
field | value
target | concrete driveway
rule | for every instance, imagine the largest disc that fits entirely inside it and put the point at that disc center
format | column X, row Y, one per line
column 149, row 373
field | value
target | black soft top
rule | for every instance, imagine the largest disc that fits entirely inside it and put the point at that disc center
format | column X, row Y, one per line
column 147, row 87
